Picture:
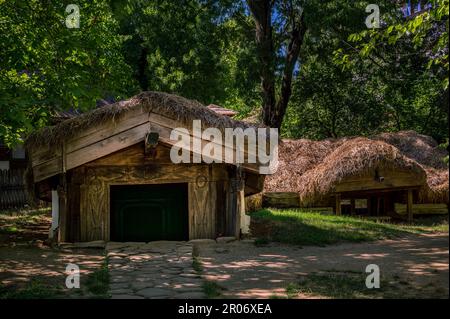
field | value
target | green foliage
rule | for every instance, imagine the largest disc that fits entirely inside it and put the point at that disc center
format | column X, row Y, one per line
column 349, row 80
column 198, row 49
column 45, row 66
column 406, row 64
column 328, row 101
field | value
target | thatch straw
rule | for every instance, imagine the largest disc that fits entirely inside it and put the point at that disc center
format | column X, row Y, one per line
column 171, row 105
column 425, row 151
column 313, row 168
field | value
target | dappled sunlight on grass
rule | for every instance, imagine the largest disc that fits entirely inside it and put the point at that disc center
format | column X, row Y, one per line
column 295, row 226
column 32, row 272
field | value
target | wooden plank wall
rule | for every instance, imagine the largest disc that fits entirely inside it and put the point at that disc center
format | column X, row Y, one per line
column 202, row 210
column 12, row 189
column 98, row 176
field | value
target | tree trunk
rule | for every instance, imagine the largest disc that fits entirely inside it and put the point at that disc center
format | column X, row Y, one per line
column 142, row 69
column 262, row 14
column 273, row 110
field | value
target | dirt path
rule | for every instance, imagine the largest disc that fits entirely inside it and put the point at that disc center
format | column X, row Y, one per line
column 246, row 271
column 20, row 265
column 420, row 263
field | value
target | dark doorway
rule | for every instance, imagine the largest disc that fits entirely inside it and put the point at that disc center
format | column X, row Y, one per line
column 149, row 212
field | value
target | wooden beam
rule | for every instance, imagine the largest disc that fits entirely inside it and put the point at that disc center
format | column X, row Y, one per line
column 409, row 204
column 107, row 146
column 399, row 179
column 352, row 207
column 47, row 169
column 62, row 223
column 338, row 205
column 378, row 205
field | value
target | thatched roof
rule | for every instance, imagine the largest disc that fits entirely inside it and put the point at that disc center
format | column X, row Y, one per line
column 221, row 110
column 313, row 168
column 426, row 152
column 173, row 106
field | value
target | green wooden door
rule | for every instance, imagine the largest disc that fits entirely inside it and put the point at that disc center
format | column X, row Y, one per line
column 149, row 212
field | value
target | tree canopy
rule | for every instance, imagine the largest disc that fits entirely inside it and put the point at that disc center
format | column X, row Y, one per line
column 311, row 67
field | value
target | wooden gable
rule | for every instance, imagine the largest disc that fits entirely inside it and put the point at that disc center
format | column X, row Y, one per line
column 104, row 139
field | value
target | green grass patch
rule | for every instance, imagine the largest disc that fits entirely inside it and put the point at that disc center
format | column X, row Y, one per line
column 9, row 230
column 298, row 227
column 197, row 265
column 212, row 289
column 347, row 285
column 292, row 290
column 261, row 241
column 35, row 289
column 12, row 222
column 97, row 282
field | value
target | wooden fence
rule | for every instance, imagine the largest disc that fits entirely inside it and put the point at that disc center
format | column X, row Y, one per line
column 12, row 189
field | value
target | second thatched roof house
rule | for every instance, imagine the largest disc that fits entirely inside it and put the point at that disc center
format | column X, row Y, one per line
column 371, row 174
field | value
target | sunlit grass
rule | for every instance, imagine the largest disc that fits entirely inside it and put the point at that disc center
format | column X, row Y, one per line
column 299, row 227
column 13, row 222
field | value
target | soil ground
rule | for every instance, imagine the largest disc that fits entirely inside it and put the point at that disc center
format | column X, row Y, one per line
column 412, row 266
column 415, row 266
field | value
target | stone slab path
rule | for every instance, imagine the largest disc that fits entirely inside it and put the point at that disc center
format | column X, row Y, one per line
column 155, row 270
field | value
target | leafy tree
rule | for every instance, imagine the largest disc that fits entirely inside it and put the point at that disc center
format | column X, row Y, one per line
column 407, row 60
column 280, row 29
column 328, row 101
column 313, row 61
column 197, row 49
column 46, row 67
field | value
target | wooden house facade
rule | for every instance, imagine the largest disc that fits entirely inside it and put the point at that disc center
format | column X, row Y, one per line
column 110, row 176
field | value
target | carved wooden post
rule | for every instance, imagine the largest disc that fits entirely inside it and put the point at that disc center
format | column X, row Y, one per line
column 62, row 196
column 409, row 204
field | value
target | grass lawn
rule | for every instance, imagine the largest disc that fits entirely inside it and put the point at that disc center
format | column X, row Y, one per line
column 298, row 227
column 24, row 225
column 96, row 286
column 35, row 289
column 351, row 285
